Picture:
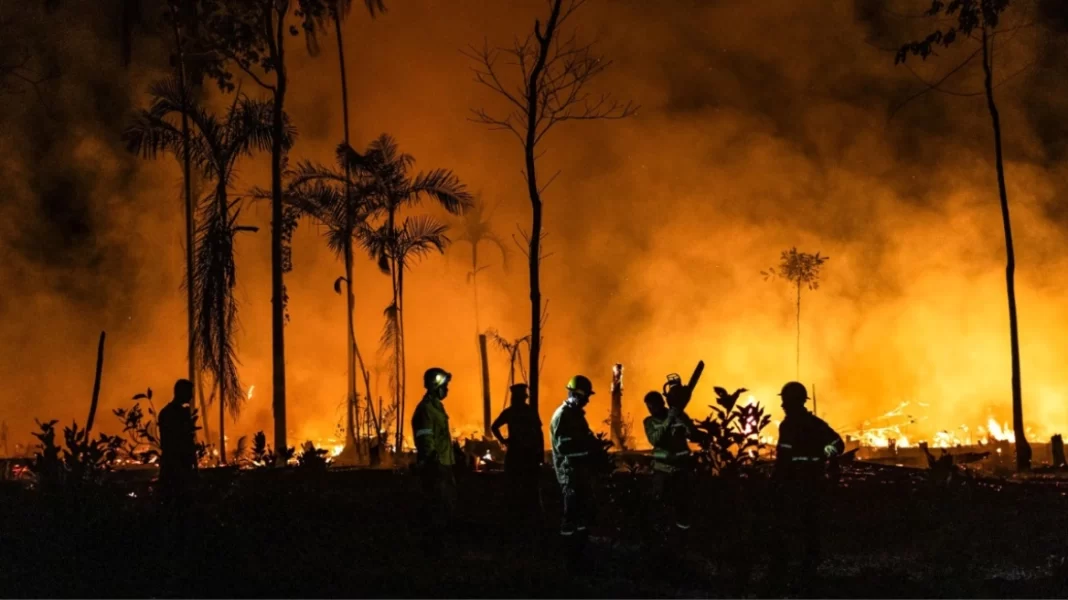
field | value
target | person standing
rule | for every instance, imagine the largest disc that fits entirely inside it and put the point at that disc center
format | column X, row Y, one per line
column 434, row 455
column 523, row 457
column 670, row 430
column 800, row 483
column 572, row 443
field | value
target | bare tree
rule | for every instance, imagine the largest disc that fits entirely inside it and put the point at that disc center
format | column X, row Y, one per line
column 982, row 24
column 544, row 81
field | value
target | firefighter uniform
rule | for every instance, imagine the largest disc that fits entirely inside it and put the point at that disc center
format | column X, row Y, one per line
column 434, row 453
column 572, row 443
column 669, row 433
column 805, row 444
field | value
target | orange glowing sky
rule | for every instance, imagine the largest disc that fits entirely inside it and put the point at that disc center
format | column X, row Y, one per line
column 763, row 126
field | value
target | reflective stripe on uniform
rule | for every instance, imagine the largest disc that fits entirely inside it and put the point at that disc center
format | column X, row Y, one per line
column 806, row 459
column 564, row 439
column 682, row 453
column 786, row 445
column 576, row 454
column 424, row 432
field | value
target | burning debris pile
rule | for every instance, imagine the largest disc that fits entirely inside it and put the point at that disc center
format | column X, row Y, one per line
column 891, row 430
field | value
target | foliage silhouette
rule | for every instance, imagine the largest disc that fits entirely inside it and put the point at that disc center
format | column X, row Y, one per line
column 214, row 145
column 801, row 269
column 978, row 21
column 396, row 245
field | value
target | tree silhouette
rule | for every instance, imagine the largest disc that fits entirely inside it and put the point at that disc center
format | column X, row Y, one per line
column 318, row 15
column 475, row 227
column 801, row 269
column 553, row 74
column 214, row 146
column 978, row 22
column 343, row 205
column 400, row 246
column 251, row 36
column 393, row 246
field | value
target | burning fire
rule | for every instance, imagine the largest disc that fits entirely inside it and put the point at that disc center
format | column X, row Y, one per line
column 1000, row 433
column 251, row 388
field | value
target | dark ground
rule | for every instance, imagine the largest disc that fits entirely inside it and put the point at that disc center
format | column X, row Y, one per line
column 355, row 533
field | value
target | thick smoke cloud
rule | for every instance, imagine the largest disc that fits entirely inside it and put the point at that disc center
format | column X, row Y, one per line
column 764, row 125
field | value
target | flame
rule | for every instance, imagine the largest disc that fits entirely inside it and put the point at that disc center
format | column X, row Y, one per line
column 1000, row 433
column 251, row 388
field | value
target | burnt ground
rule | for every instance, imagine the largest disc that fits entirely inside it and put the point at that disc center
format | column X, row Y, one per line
column 356, row 533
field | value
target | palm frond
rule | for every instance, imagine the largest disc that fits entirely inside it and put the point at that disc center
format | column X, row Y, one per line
column 378, row 242
column 494, row 239
column 419, row 236
column 251, row 127
column 389, row 342
column 444, row 186
column 215, row 311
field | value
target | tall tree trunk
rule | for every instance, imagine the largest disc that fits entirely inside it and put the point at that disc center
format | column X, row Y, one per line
column 487, row 418
column 205, row 418
column 222, row 326
column 353, row 416
column 278, row 345
column 350, row 343
column 474, row 284
column 96, row 386
column 190, row 220
column 798, row 357
column 222, row 421
column 534, row 252
column 402, row 359
column 615, row 415
column 1023, row 448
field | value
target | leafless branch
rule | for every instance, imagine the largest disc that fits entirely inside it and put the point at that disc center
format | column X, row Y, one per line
column 928, row 86
column 547, row 183
column 562, row 93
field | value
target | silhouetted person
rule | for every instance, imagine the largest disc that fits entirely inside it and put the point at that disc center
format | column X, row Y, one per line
column 669, row 430
column 178, row 444
column 572, row 443
column 523, row 458
column 799, row 490
column 435, row 458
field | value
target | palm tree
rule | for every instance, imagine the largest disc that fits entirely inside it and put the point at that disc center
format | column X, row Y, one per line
column 317, row 16
column 475, row 227
column 393, row 188
column 314, row 192
column 399, row 247
column 214, row 147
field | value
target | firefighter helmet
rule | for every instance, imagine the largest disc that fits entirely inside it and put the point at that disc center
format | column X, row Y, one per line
column 794, row 391
column 580, row 385
column 435, row 378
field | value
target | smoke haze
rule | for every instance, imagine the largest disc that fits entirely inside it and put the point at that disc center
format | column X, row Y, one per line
column 764, row 125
